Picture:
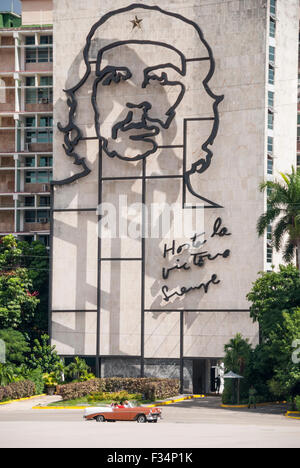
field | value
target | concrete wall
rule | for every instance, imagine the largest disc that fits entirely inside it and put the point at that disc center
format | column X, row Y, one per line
column 237, row 33
column 35, row 12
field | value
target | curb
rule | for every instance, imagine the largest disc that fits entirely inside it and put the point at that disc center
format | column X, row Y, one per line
column 159, row 403
column 176, row 400
column 289, row 413
column 257, row 404
column 22, row 399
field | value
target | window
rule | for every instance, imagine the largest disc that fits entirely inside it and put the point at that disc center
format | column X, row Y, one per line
column 30, row 162
column 271, row 99
column 298, row 159
column 272, row 54
column 270, row 145
column 46, row 40
column 271, row 75
column 270, row 166
column 30, row 93
column 270, row 121
column 46, row 121
column 44, row 201
column 29, row 201
column 272, row 28
column 273, row 7
column 46, row 81
column 38, row 177
column 30, row 81
column 43, row 177
column 29, row 40
column 30, row 177
column 30, row 122
column 30, row 55
column 30, row 216
column 298, row 119
column 43, row 216
column 298, row 133
column 45, row 161
column 43, row 55
column 39, row 54
column 269, row 245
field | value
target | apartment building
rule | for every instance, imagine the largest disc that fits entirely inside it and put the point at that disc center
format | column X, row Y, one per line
column 26, row 121
column 225, row 73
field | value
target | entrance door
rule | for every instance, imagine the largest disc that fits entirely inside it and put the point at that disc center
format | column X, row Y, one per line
column 199, row 376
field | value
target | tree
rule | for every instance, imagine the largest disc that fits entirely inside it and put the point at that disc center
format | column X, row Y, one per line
column 238, row 352
column 32, row 259
column 18, row 301
column 275, row 298
column 16, row 346
column 78, row 369
column 271, row 294
column 43, row 356
column 284, row 208
column 237, row 359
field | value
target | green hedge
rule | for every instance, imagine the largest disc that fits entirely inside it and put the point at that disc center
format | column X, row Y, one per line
column 16, row 390
column 152, row 389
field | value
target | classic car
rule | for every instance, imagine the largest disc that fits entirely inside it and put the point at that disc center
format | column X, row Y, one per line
column 106, row 413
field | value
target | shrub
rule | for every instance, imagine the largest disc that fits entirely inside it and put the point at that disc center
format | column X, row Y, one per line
column 16, row 390
column 297, row 402
column 115, row 396
column 149, row 388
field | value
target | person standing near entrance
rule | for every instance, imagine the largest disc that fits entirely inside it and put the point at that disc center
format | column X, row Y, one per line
column 218, row 384
column 252, row 397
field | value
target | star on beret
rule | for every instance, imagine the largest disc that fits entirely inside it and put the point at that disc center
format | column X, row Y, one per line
column 136, row 23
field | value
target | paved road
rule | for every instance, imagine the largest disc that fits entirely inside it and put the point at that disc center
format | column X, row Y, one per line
column 200, row 423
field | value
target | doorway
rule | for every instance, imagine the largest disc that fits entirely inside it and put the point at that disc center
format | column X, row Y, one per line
column 199, row 376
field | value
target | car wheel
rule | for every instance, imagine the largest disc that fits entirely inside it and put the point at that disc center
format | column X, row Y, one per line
column 141, row 418
column 100, row 418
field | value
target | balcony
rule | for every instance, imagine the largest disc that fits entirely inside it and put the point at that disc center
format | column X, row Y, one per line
column 39, row 99
column 36, row 227
column 38, row 58
column 7, row 221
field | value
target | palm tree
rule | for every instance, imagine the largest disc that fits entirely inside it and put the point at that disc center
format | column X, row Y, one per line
column 78, row 368
column 237, row 354
column 6, row 374
column 284, row 209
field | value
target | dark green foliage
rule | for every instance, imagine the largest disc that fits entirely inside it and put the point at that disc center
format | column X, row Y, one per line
column 24, row 273
column 43, row 356
column 283, row 210
column 16, row 346
column 275, row 301
column 271, row 294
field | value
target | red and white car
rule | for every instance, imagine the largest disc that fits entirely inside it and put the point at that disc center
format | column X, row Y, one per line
column 139, row 414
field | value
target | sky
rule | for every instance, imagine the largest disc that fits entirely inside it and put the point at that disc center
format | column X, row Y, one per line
column 5, row 5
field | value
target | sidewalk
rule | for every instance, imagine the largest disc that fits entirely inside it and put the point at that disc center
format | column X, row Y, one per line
column 28, row 404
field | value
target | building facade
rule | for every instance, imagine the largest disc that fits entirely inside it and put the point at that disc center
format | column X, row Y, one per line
column 183, row 108
column 26, row 121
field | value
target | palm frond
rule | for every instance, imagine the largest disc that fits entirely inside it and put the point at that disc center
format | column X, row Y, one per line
column 281, row 228
column 289, row 251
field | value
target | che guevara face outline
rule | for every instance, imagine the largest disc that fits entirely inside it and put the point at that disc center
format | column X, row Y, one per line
column 147, row 128
column 73, row 133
